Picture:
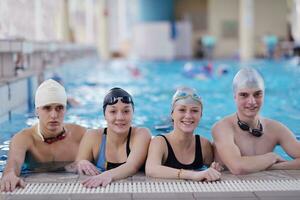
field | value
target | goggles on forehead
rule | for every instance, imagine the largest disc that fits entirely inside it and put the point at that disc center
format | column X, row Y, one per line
column 124, row 99
column 184, row 95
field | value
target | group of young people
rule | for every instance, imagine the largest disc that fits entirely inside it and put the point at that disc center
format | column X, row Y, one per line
column 242, row 142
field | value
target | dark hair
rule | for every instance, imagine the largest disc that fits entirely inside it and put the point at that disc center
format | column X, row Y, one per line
column 115, row 93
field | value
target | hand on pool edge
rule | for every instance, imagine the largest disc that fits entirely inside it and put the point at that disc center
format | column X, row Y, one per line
column 85, row 167
column 217, row 166
column 100, row 180
column 9, row 182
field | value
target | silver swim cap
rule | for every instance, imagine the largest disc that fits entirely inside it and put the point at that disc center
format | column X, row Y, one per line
column 186, row 95
column 247, row 77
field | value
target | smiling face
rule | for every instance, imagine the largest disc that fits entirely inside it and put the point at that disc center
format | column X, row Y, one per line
column 119, row 116
column 186, row 117
column 249, row 101
column 248, row 88
column 51, row 117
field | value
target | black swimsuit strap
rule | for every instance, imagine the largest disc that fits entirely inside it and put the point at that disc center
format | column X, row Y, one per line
column 198, row 154
column 171, row 153
column 128, row 140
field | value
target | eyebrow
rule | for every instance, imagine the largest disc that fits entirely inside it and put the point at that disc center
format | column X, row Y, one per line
column 241, row 92
column 194, row 106
column 126, row 106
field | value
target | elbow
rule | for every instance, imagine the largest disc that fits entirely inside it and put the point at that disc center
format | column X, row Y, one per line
column 134, row 168
column 150, row 171
column 237, row 169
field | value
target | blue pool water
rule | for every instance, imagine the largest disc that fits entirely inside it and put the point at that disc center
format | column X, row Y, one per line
column 152, row 85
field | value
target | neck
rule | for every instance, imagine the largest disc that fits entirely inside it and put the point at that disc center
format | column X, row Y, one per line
column 251, row 121
column 44, row 134
column 183, row 139
column 117, row 138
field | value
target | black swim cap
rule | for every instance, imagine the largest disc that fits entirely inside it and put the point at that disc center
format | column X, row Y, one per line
column 112, row 97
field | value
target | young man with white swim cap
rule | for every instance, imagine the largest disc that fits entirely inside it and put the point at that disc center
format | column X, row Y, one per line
column 245, row 140
column 50, row 144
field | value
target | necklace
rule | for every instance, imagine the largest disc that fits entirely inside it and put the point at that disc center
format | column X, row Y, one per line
column 50, row 140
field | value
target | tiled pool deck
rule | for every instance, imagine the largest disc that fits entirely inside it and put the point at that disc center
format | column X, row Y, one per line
column 277, row 184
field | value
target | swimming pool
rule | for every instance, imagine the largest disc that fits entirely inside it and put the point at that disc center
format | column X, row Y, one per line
column 152, row 84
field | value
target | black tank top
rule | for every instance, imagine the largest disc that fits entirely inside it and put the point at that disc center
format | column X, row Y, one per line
column 174, row 163
column 111, row 165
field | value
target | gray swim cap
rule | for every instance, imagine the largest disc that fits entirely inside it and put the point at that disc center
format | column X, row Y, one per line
column 186, row 95
column 247, row 77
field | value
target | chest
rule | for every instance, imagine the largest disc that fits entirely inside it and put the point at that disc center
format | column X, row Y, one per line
column 250, row 145
column 60, row 151
column 184, row 155
column 115, row 153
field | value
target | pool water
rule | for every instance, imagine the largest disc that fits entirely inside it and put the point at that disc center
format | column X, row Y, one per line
column 152, row 84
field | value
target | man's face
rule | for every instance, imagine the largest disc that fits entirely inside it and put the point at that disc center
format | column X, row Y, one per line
column 249, row 101
column 51, row 116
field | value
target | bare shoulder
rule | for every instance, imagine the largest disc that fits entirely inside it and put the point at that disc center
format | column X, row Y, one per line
column 141, row 132
column 93, row 133
column 275, row 126
column 76, row 130
column 224, row 124
column 271, row 122
column 25, row 136
column 93, row 136
column 205, row 142
column 159, row 140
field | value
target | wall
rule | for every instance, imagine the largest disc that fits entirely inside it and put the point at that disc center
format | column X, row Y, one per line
column 223, row 16
column 14, row 98
column 156, row 10
column 41, row 19
column 20, row 76
column 195, row 12
column 161, row 44
column 294, row 19
column 223, row 21
column 270, row 16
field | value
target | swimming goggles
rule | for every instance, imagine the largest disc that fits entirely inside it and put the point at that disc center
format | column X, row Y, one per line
column 184, row 95
column 114, row 100
column 253, row 131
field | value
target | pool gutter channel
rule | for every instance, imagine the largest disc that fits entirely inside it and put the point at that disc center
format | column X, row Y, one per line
column 160, row 187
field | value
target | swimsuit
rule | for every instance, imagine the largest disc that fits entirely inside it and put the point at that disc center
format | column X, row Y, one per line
column 172, row 161
column 104, row 165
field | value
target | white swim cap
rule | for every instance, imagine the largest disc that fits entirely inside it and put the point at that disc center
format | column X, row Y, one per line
column 50, row 92
column 248, row 77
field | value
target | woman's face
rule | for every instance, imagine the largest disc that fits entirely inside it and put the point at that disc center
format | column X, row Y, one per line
column 186, row 117
column 119, row 116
